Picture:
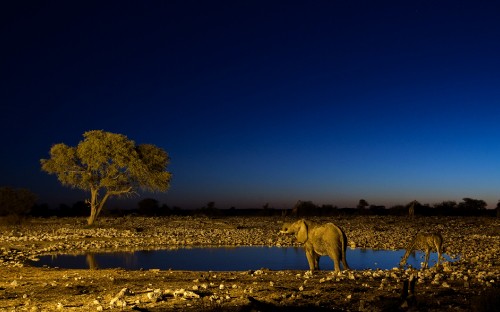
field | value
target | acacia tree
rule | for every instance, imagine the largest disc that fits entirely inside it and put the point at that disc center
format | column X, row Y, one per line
column 109, row 164
column 472, row 206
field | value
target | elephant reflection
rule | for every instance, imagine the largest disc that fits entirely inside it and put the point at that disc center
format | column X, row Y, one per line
column 319, row 240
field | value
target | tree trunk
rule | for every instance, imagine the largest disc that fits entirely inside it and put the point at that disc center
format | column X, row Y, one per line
column 92, row 217
column 93, row 207
column 96, row 206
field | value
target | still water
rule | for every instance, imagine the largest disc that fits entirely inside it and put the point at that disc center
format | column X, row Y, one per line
column 229, row 259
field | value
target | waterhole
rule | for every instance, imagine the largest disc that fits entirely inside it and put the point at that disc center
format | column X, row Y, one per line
column 228, row 259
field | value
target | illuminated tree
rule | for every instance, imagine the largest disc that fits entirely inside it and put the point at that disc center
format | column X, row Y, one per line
column 109, row 163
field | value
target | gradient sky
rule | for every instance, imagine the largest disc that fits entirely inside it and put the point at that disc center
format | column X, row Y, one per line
column 261, row 101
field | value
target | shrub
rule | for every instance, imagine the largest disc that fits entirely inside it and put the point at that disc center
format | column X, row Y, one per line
column 16, row 203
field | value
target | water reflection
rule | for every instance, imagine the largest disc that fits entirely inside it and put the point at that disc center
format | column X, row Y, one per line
column 229, row 259
column 90, row 257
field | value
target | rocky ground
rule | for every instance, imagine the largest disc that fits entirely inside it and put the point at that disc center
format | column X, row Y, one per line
column 470, row 284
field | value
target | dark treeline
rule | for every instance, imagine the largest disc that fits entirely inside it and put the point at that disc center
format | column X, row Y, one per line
column 151, row 207
column 19, row 203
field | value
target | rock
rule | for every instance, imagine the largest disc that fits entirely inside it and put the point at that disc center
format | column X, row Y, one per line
column 116, row 300
column 155, row 295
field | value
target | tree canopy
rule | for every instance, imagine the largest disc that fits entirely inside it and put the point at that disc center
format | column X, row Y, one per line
column 108, row 162
column 470, row 205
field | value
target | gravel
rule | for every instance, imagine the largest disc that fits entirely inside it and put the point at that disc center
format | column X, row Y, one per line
column 474, row 240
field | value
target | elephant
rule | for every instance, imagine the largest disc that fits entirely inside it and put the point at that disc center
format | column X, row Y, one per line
column 319, row 240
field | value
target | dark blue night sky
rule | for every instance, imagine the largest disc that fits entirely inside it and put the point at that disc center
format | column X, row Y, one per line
column 261, row 101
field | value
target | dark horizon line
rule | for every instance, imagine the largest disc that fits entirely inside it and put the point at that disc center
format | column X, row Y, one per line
column 128, row 207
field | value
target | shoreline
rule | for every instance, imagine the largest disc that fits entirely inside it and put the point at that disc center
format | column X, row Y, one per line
column 475, row 239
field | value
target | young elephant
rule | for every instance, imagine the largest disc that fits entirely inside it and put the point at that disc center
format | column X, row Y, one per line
column 319, row 240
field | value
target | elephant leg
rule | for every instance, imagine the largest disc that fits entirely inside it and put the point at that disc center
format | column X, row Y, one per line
column 316, row 261
column 344, row 262
column 310, row 259
column 336, row 260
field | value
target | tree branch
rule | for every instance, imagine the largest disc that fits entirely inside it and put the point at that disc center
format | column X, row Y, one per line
column 120, row 192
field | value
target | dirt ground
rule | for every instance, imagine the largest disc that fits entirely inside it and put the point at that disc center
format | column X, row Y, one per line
column 470, row 284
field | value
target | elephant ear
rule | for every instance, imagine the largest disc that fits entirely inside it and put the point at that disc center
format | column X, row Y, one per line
column 302, row 233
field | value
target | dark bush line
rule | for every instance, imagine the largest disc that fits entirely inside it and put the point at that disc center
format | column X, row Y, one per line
column 80, row 210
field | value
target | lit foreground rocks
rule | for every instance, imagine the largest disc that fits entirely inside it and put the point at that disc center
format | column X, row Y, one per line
column 469, row 284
